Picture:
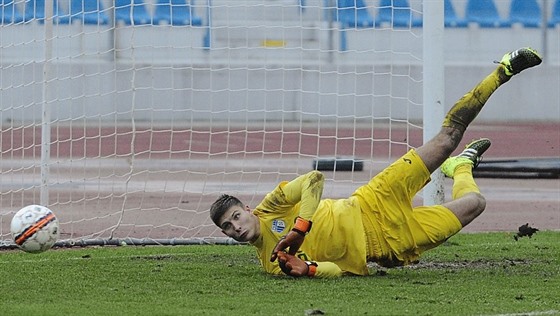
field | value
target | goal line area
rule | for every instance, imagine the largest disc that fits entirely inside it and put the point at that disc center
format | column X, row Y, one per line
column 113, row 185
column 129, row 118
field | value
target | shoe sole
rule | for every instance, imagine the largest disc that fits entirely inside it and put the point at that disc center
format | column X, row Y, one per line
column 485, row 143
column 522, row 59
column 480, row 151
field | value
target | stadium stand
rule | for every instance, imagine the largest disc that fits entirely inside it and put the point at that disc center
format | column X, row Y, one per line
column 555, row 18
column 132, row 12
column 9, row 12
column 353, row 14
column 175, row 12
column 88, row 12
column 450, row 16
column 35, row 10
column 230, row 22
column 525, row 12
column 350, row 13
column 485, row 14
column 396, row 13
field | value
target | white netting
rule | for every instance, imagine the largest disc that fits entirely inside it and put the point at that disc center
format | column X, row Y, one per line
column 152, row 118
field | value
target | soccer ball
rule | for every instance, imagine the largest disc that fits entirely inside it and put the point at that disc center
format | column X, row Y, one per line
column 35, row 228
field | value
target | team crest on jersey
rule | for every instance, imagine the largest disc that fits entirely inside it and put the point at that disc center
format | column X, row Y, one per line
column 278, row 225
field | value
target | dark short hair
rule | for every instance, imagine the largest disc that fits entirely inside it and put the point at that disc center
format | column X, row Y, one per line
column 221, row 205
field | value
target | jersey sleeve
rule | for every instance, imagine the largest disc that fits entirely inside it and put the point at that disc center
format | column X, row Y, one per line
column 327, row 270
column 306, row 189
column 324, row 269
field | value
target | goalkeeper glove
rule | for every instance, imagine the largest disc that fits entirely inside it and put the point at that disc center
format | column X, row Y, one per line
column 294, row 266
column 293, row 239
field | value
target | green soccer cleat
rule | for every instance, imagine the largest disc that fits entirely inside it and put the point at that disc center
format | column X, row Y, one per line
column 519, row 60
column 471, row 155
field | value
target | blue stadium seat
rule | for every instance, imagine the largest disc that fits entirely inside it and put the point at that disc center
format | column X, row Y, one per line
column 353, row 14
column 397, row 13
column 132, row 12
column 450, row 16
column 9, row 12
column 555, row 18
column 88, row 12
column 484, row 13
column 526, row 12
column 175, row 12
column 35, row 10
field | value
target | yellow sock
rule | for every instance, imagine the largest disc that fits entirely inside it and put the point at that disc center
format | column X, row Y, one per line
column 467, row 108
column 463, row 181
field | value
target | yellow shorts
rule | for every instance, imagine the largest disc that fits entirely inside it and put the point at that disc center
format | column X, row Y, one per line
column 395, row 230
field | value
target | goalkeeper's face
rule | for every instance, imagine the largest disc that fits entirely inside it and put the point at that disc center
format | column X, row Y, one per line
column 240, row 224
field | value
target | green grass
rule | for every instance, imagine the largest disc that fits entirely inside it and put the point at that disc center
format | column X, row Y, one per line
column 472, row 274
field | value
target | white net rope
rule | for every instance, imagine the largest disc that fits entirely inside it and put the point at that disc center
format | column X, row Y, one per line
column 157, row 107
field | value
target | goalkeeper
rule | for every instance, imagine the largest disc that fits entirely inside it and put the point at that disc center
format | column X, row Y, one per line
column 298, row 233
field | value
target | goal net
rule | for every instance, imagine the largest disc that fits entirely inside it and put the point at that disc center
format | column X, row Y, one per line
column 128, row 118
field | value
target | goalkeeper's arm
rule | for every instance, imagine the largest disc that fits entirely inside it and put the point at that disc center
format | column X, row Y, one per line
column 294, row 266
column 306, row 190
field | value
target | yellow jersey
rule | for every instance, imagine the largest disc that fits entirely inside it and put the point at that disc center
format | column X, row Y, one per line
column 377, row 223
column 336, row 241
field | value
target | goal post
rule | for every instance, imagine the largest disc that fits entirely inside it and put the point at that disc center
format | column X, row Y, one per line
column 433, row 89
column 129, row 118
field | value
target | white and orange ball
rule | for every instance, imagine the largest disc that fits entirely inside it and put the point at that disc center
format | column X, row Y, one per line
column 35, row 229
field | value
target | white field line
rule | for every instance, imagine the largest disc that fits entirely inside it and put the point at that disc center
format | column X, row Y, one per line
column 550, row 312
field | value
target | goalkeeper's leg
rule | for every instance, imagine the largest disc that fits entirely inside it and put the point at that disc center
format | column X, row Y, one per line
column 439, row 148
column 440, row 222
column 467, row 202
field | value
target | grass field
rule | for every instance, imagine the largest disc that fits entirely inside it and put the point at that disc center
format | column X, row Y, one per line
column 472, row 274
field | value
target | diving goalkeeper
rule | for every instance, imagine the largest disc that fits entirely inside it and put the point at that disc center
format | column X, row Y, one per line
column 298, row 233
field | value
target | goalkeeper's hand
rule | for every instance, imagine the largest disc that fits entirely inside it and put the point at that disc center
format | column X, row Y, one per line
column 293, row 239
column 294, row 266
